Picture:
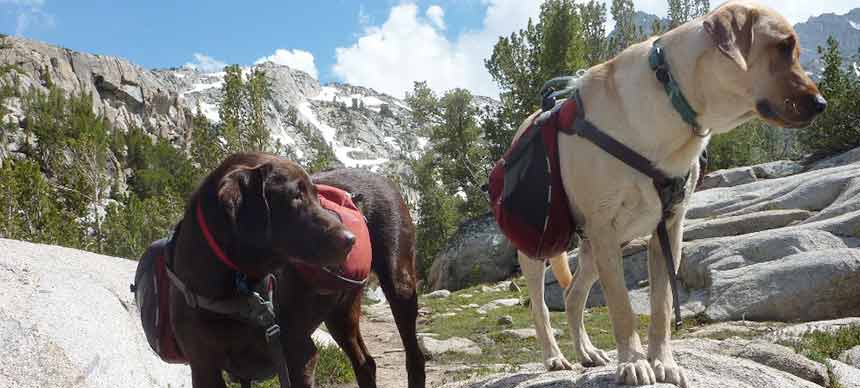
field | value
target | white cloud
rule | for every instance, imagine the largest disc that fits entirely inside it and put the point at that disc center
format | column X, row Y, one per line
column 436, row 15
column 296, row 59
column 29, row 3
column 363, row 16
column 408, row 48
column 28, row 14
column 205, row 63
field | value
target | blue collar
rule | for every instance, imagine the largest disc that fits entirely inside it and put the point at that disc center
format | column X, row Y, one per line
column 657, row 60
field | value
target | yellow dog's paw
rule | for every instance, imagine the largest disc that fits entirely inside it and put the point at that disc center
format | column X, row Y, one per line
column 557, row 363
column 590, row 356
column 669, row 372
column 637, row 372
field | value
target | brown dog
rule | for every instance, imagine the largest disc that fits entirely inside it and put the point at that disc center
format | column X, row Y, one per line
column 263, row 212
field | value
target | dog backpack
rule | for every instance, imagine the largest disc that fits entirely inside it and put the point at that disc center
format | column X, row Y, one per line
column 526, row 193
column 151, row 290
column 353, row 273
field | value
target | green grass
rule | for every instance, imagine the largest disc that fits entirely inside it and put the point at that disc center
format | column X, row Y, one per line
column 333, row 368
column 469, row 324
column 819, row 346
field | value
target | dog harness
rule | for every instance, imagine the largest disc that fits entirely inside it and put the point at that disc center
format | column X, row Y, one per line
column 253, row 302
column 671, row 190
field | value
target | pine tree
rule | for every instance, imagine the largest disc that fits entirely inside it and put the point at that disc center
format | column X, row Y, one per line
column 625, row 28
column 522, row 62
column 257, row 136
column 232, row 110
column 838, row 128
column 593, row 15
column 206, row 149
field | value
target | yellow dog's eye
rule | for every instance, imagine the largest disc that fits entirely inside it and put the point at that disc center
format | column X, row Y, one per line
column 786, row 46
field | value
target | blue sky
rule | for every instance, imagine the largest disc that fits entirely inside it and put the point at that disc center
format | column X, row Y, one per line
column 382, row 44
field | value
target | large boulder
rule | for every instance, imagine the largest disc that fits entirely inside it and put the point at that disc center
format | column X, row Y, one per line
column 704, row 368
column 67, row 319
column 783, row 246
column 728, row 178
column 806, row 286
column 477, row 253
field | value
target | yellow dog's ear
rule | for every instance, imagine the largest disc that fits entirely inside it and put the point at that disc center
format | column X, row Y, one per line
column 731, row 28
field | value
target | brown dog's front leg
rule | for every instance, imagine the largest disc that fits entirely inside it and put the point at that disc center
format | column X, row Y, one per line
column 302, row 356
column 206, row 376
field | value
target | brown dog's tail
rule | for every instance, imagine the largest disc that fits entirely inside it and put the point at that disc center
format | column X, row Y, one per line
column 561, row 270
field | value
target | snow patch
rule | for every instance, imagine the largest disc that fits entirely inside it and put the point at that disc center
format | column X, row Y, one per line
column 327, row 93
column 327, row 131
column 368, row 100
column 422, row 142
column 210, row 111
column 343, row 154
column 201, row 87
column 854, row 24
column 178, row 75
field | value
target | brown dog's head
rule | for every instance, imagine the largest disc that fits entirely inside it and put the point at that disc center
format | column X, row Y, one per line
column 759, row 49
column 274, row 208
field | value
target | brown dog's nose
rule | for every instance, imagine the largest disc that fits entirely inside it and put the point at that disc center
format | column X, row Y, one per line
column 819, row 103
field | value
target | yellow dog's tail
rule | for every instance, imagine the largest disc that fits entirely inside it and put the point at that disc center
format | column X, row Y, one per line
column 561, row 270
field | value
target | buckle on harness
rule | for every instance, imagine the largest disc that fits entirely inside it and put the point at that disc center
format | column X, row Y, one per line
column 262, row 310
column 272, row 333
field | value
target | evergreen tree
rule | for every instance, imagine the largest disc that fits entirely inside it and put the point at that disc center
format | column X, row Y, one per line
column 231, row 111
column 437, row 214
column 593, row 15
column 132, row 224
column 625, row 28
column 838, row 128
column 206, row 149
column 30, row 208
column 681, row 11
column 257, row 135
column 242, row 111
column 522, row 62
column 423, row 105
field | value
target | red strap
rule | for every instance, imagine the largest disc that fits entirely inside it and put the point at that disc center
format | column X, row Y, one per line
column 201, row 222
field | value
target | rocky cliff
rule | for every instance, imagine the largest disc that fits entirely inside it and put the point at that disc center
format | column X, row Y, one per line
column 363, row 127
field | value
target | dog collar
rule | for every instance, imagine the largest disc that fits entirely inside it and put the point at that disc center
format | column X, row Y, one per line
column 213, row 245
column 657, row 61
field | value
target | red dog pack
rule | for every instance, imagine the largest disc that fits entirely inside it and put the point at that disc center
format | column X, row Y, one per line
column 526, row 192
column 354, row 272
column 151, row 292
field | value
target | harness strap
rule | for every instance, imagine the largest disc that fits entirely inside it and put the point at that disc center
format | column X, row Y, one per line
column 667, row 187
column 250, row 307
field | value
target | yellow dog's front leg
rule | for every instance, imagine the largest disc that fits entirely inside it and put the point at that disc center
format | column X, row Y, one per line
column 633, row 365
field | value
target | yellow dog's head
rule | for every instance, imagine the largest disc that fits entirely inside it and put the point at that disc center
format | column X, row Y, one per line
column 756, row 54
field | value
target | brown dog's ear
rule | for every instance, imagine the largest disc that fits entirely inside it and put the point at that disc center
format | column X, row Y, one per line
column 242, row 195
column 731, row 29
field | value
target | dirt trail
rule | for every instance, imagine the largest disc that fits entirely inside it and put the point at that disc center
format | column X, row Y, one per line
column 383, row 341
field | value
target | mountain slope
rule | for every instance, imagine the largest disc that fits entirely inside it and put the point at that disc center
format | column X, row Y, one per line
column 363, row 127
column 814, row 33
